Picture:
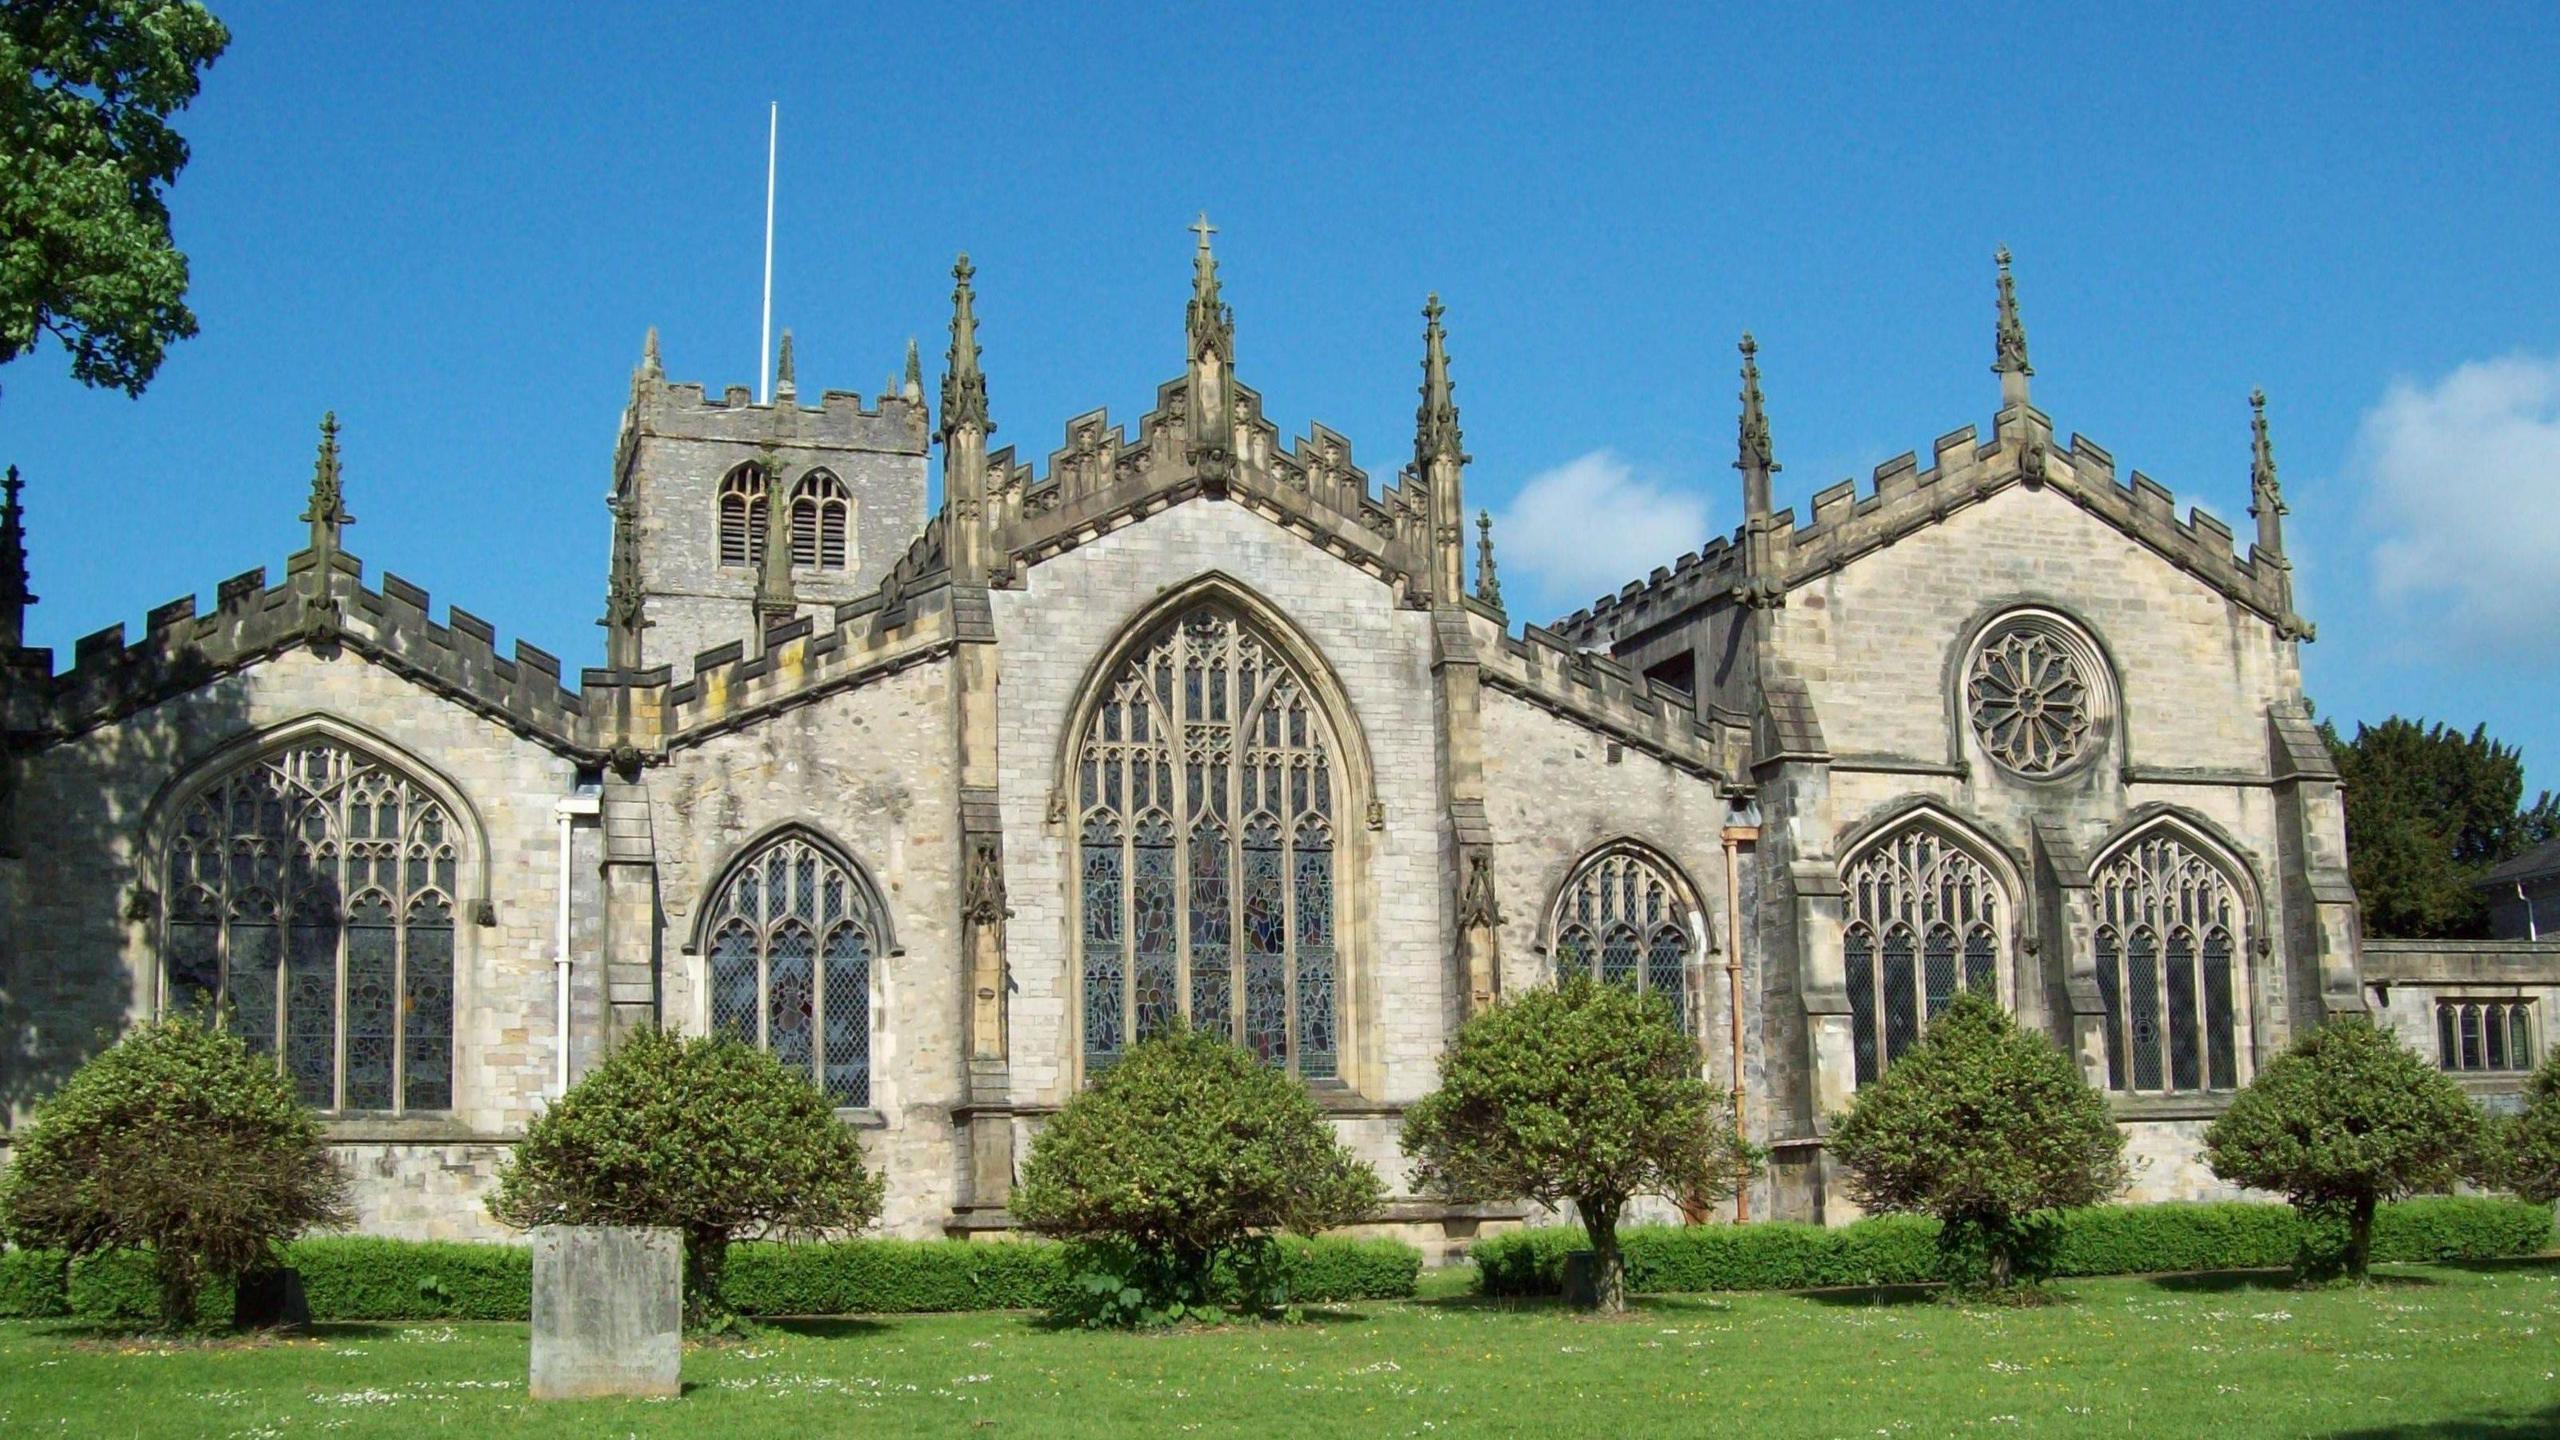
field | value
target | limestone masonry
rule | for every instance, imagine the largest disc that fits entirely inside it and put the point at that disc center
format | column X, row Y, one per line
column 1183, row 722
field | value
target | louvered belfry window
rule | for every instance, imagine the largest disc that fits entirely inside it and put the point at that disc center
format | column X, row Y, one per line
column 1206, row 851
column 311, row 907
column 820, row 506
column 743, row 496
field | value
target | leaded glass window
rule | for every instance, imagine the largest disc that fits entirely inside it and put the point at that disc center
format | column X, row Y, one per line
column 2170, row 923
column 2485, row 1035
column 1623, row 918
column 794, row 934
column 1207, row 859
column 311, row 908
column 1924, row 918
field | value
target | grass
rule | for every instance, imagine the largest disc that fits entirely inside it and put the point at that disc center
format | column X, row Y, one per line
column 2433, row 1351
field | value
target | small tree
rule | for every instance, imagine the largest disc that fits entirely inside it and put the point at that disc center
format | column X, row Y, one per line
column 179, row 1140
column 709, row 1136
column 1191, row 1152
column 1585, row 1092
column 2346, row 1119
column 2528, row 1161
column 1983, row 1125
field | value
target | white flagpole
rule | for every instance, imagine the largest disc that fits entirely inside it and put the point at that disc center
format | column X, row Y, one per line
column 764, row 345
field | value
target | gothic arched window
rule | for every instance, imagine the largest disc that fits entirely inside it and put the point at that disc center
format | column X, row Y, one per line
column 1622, row 917
column 2170, row 926
column 311, row 906
column 820, row 506
column 1206, row 805
column 743, row 497
column 792, row 937
column 1923, row 917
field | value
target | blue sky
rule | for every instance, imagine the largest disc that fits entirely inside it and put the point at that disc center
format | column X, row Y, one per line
column 453, row 229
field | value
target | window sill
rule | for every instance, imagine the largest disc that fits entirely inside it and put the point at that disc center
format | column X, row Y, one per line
column 862, row 1117
column 359, row 1128
column 2201, row 1105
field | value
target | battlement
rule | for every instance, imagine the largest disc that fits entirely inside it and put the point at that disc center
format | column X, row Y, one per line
column 841, row 420
column 1552, row 672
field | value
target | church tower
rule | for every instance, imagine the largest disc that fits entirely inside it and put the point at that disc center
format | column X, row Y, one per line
column 701, row 485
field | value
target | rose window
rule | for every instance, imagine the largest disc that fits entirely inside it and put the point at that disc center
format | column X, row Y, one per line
column 2030, row 699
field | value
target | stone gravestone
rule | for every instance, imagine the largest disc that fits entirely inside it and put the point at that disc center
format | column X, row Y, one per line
column 608, row 1311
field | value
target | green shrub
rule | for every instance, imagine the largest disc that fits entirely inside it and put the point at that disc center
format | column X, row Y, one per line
column 2102, row 1240
column 1331, row 1269
column 709, row 1136
column 34, row 1284
column 121, row 1288
column 882, row 1277
column 1585, row 1092
column 2528, row 1159
column 370, row 1278
column 1187, row 1154
column 2345, row 1119
column 176, row 1141
column 1989, row 1128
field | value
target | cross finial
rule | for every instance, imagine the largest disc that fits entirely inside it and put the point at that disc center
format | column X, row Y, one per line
column 1202, row 228
column 1211, row 324
column 1435, row 432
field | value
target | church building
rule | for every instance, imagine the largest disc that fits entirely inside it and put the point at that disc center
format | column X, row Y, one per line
column 950, row 805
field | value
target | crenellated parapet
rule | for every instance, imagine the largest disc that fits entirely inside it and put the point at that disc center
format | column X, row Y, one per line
column 1556, row 675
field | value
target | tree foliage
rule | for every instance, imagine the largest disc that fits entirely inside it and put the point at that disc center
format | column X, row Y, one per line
column 711, row 1136
column 1585, row 1092
column 1188, row 1152
column 178, row 1140
column 2345, row 1119
column 2429, row 810
column 2529, row 1145
column 86, row 91
column 1983, row 1125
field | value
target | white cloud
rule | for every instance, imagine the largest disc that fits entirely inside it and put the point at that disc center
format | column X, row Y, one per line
column 1594, row 523
column 2463, row 479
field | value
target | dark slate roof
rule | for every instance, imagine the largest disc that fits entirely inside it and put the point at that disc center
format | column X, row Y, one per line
column 2541, row 860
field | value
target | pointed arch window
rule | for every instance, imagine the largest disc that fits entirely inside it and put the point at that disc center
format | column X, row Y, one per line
column 311, row 908
column 1624, row 917
column 744, row 495
column 1925, row 917
column 820, row 510
column 2170, row 927
column 794, row 934
column 1207, row 797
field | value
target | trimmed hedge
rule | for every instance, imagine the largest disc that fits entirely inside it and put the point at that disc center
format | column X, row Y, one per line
column 1902, row 1249
column 367, row 1278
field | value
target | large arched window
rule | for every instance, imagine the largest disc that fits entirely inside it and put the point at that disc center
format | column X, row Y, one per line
column 743, row 497
column 819, row 507
column 2170, row 925
column 311, row 906
column 1206, row 805
column 1624, row 917
column 1923, row 917
column 793, row 934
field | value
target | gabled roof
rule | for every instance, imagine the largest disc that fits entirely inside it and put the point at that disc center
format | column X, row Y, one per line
column 2537, row 863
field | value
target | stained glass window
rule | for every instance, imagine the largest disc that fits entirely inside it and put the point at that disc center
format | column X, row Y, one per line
column 1205, row 792
column 2486, row 1035
column 1622, row 917
column 310, row 907
column 2169, row 927
column 1923, row 918
column 793, row 936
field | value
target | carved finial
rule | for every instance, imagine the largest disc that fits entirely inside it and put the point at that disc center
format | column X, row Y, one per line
column 912, row 386
column 650, row 365
column 624, row 599
column 15, row 597
column 1435, row 423
column 1755, row 458
column 1488, row 583
column 785, row 386
column 327, row 514
column 2266, row 496
column 964, row 385
column 1211, row 323
column 2009, row 345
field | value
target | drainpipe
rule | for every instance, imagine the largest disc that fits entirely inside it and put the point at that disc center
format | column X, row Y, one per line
column 585, row 802
column 1734, row 838
column 2532, row 929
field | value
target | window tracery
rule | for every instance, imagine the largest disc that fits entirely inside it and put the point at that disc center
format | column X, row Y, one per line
column 794, row 935
column 1623, row 918
column 1924, row 917
column 744, row 494
column 1206, row 797
column 2170, row 925
column 311, row 907
column 820, row 505
column 2033, row 695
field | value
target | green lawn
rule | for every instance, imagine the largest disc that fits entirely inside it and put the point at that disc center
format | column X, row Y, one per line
column 2426, row 1351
